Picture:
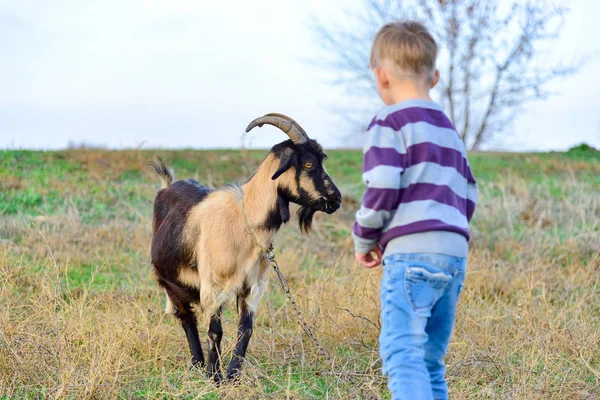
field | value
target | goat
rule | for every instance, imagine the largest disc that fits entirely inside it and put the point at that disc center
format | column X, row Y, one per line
column 208, row 245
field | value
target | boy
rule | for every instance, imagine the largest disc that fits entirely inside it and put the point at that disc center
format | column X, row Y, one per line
column 415, row 212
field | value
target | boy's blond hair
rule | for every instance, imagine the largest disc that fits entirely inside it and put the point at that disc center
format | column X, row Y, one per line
column 407, row 48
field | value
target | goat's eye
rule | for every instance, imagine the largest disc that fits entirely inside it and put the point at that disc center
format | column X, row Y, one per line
column 308, row 165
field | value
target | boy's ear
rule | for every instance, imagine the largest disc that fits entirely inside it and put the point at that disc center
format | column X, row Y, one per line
column 436, row 78
column 287, row 158
column 381, row 77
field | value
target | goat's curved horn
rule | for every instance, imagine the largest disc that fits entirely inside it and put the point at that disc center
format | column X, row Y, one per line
column 289, row 119
column 289, row 126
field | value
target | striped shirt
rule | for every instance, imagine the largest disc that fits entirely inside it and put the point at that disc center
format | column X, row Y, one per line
column 421, row 193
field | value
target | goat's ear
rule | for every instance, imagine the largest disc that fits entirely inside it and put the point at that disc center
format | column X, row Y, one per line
column 287, row 158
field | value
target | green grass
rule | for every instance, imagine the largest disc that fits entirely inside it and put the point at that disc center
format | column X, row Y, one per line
column 46, row 174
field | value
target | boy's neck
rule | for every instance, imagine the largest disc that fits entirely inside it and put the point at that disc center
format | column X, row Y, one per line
column 403, row 90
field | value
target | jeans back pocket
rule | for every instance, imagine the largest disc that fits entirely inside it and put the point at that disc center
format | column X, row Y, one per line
column 424, row 285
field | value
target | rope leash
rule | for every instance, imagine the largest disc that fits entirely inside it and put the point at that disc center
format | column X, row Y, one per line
column 268, row 251
column 286, row 288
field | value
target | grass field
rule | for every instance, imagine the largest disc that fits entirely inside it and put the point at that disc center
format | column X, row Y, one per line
column 81, row 315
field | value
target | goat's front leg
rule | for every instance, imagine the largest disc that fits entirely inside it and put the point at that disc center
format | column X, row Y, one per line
column 244, row 334
column 215, row 333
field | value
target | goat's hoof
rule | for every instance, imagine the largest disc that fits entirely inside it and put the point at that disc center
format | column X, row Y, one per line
column 234, row 379
column 216, row 377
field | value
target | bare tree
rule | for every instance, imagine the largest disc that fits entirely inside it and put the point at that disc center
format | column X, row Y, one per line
column 493, row 55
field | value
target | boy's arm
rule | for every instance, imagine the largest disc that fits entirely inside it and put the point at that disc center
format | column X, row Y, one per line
column 382, row 172
column 472, row 193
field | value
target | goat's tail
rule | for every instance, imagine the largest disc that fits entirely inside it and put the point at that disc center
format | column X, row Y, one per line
column 161, row 169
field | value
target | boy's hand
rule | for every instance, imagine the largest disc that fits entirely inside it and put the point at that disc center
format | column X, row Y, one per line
column 371, row 259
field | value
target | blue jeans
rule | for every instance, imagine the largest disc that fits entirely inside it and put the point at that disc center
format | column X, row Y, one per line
column 418, row 305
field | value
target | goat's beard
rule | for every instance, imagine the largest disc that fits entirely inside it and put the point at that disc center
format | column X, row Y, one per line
column 305, row 218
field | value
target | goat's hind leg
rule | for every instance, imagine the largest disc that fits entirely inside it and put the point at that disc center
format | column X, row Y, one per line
column 215, row 333
column 190, row 326
column 181, row 299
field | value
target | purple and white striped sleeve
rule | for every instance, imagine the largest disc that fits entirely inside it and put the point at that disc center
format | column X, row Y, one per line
column 382, row 171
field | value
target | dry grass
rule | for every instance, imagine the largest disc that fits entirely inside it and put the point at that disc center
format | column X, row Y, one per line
column 81, row 317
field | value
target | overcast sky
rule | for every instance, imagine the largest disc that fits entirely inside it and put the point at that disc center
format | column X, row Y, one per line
column 194, row 73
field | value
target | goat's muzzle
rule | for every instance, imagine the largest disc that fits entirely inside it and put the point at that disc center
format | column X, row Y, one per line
column 329, row 205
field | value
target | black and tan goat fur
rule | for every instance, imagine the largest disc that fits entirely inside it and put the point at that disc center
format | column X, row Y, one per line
column 205, row 251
